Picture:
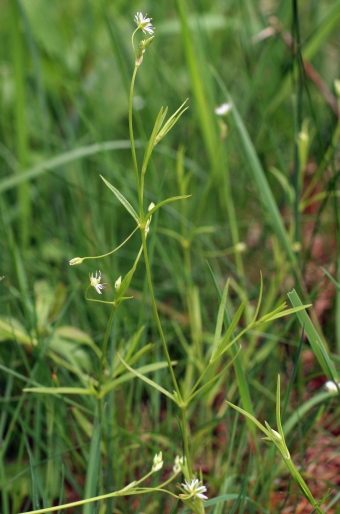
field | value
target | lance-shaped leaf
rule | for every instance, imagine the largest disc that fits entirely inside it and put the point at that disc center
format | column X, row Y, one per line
column 149, row 368
column 148, row 381
column 224, row 346
column 164, row 202
column 122, row 199
column 220, row 318
column 151, row 143
column 171, row 122
column 280, row 312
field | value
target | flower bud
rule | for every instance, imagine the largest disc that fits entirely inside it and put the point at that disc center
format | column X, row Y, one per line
column 117, row 283
column 75, row 261
column 178, row 464
column 157, row 462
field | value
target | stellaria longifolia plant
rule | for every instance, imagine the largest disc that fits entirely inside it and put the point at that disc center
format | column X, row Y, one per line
column 192, row 489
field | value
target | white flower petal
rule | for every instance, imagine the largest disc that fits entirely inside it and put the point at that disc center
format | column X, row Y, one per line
column 223, row 109
column 95, row 281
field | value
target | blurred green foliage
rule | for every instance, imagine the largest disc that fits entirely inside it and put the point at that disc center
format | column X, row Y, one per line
column 65, row 70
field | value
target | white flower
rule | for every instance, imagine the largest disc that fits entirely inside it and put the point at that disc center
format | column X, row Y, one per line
column 195, row 489
column 95, row 282
column 223, row 109
column 331, row 386
column 178, row 464
column 144, row 23
column 157, row 462
column 151, row 206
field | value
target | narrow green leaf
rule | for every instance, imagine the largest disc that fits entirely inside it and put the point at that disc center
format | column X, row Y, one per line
column 240, row 375
column 252, row 418
column 314, row 338
column 149, row 368
column 282, row 313
column 58, row 390
column 73, row 155
column 220, row 317
column 92, row 469
column 164, row 202
column 208, row 384
column 332, row 279
column 171, row 122
column 303, row 409
column 148, row 381
column 151, row 143
column 259, row 300
column 226, row 338
column 122, row 199
column 278, row 407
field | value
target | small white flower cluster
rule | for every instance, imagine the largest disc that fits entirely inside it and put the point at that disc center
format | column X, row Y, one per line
column 144, row 23
column 195, row 488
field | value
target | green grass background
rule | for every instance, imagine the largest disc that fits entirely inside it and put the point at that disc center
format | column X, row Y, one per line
column 65, row 70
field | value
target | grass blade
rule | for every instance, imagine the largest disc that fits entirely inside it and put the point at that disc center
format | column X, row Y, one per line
column 93, row 468
column 314, row 338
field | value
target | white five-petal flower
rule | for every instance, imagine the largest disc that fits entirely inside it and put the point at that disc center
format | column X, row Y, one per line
column 95, row 281
column 195, row 488
column 144, row 23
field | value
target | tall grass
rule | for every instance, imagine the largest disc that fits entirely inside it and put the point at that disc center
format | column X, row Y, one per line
column 264, row 199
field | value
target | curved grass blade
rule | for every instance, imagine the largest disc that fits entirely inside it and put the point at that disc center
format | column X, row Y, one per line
column 61, row 160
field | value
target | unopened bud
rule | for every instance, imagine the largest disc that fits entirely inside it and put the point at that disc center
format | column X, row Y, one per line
column 157, row 462
column 75, row 261
column 117, row 283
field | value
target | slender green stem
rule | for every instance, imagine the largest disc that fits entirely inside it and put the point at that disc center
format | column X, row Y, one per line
column 112, row 251
column 186, row 440
column 21, row 127
column 106, row 340
column 303, row 486
column 227, row 192
column 102, row 357
column 155, row 312
column 126, row 492
column 132, row 141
